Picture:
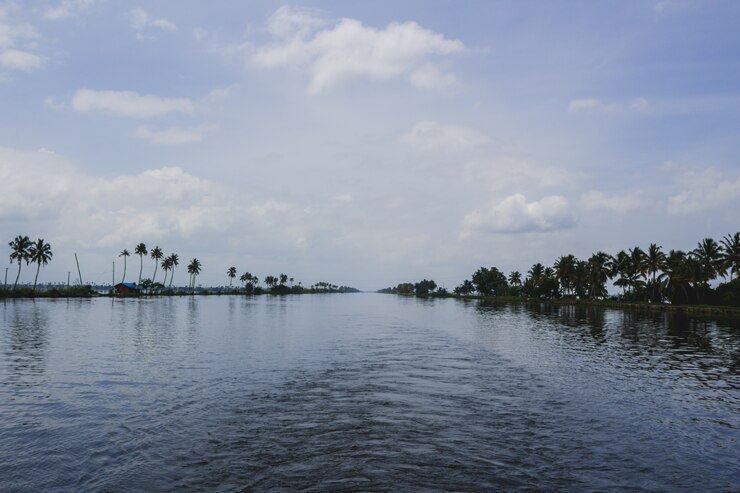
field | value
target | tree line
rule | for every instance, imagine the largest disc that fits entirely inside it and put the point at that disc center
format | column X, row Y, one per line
column 650, row 275
column 23, row 250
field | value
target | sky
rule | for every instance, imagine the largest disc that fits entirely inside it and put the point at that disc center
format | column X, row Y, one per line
column 365, row 143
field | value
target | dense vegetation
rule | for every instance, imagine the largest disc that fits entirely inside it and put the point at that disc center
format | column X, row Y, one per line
column 642, row 276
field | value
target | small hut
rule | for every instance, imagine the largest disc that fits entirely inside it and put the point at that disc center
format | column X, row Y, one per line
column 126, row 288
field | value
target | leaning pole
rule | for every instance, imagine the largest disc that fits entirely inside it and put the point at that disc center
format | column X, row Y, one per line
column 78, row 269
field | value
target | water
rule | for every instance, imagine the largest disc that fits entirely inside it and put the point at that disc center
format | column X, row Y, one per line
column 363, row 393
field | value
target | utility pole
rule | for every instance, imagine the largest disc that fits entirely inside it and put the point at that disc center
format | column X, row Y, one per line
column 68, row 274
column 113, row 284
column 78, row 269
column 5, row 284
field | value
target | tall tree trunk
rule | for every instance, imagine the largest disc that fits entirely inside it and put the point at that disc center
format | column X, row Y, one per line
column 154, row 277
column 141, row 266
column 172, row 276
column 123, row 279
column 37, row 276
column 18, row 276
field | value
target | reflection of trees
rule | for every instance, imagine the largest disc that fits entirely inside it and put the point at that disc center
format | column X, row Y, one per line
column 27, row 343
column 670, row 339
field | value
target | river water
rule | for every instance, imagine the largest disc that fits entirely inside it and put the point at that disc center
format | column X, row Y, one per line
column 363, row 392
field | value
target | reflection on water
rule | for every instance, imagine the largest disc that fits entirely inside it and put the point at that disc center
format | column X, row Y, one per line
column 364, row 392
column 27, row 332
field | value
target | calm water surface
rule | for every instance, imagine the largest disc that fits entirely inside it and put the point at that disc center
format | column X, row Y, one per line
column 363, row 393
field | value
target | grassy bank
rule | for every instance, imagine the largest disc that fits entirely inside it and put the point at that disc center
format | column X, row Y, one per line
column 72, row 292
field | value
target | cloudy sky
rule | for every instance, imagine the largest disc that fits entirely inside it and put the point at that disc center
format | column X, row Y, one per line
column 366, row 143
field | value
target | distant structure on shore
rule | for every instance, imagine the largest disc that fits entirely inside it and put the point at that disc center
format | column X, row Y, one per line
column 125, row 288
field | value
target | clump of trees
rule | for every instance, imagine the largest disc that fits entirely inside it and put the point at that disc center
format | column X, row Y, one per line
column 642, row 275
column 422, row 288
column 24, row 250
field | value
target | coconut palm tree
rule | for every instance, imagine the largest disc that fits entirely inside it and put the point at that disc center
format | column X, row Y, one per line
column 678, row 276
column 654, row 260
column 515, row 278
column 125, row 253
column 709, row 255
column 166, row 266
column 564, row 267
column 174, row 262
column 536, row 274
column 156, row 254
column 231, row 272
column 20, row 247
column 283, row 279
column 598, row 274
column 194, row 270
column 620, row 266
column 140, row 250
column 731, row 253
column 39, row 253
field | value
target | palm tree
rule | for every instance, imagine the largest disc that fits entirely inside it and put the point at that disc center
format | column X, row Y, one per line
column 709, row 254
column 564, row 267
column 20, row 246
column 157, row 254
column 654, row 260
column 598, row 274
column 231, row 272
column 174, row 262
column 194, row 270
column 637, row 264
column 140, row 250
column 125, row 253
column 39, row 253
column 283, row 279
column 620, row 266
column 579, row 278
column 731, row 253
column 678, row 277
column 515, row 278
column 166, row 266
column 536, row 274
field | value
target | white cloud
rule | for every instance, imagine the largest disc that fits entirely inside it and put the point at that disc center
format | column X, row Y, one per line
column 515, row 215
column 16, row 43
column 129, row 104
column 23, row 61
column 141, row 22
column 152, row 204
column 174, row 135
column 68, row 8
column 334, row 52
column 221, row 93
column 431, row 76
column 595, row 200
column 433, row 137
column 590, row 104
column 701, row 189
column 288, row 22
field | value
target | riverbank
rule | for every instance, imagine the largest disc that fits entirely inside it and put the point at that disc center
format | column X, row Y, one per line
column 714, row 310
column 89, row 292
